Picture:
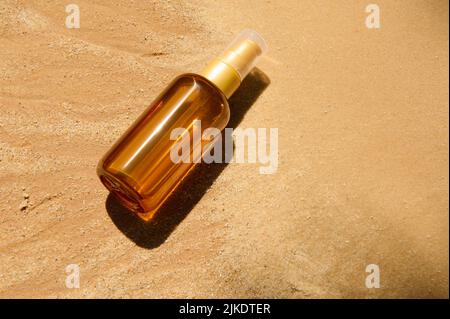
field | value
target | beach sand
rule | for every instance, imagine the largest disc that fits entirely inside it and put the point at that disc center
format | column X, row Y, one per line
column 362, row 118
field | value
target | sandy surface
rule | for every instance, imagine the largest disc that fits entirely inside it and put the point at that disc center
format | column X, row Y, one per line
column 363, row 145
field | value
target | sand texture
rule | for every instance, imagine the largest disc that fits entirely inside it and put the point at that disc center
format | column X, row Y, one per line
column 363, row 172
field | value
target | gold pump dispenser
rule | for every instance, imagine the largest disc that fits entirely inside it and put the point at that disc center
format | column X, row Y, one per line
column 229, row 69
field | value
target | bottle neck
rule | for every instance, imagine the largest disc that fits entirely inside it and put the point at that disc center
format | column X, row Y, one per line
column 223, row 76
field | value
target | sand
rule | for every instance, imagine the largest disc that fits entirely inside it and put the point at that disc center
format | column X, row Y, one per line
column 363, row 151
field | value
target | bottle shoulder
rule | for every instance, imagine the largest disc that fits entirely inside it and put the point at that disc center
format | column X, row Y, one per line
column 204, row 83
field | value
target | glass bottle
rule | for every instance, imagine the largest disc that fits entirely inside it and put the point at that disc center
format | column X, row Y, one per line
column 139, row 169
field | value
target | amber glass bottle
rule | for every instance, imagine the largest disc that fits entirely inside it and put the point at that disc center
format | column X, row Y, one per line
column 138, row 170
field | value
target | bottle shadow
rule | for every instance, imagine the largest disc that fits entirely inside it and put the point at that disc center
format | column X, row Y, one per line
column 153, row 233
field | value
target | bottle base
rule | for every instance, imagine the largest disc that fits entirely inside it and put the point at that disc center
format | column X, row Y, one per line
column 125, row 194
